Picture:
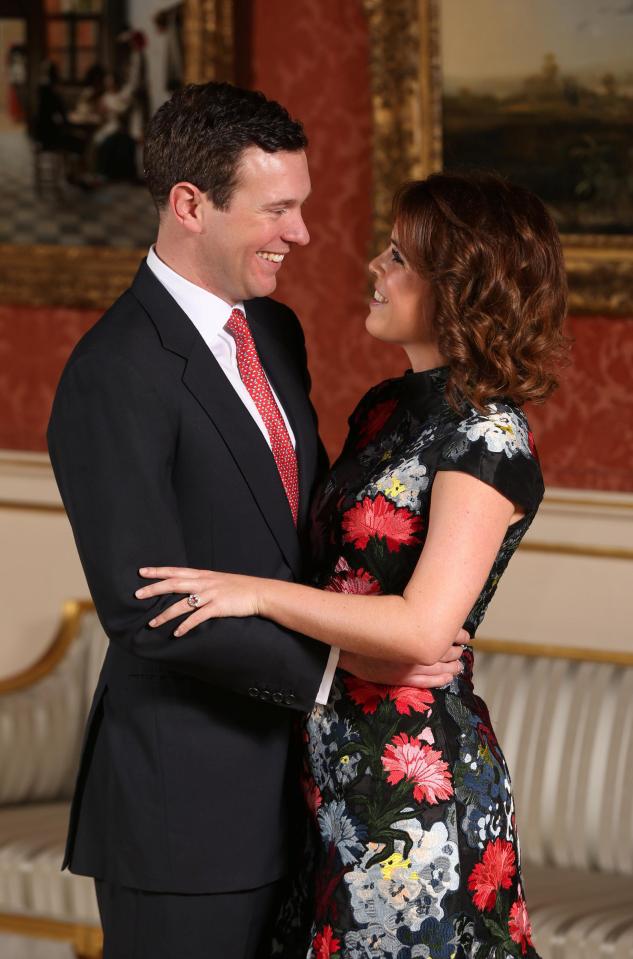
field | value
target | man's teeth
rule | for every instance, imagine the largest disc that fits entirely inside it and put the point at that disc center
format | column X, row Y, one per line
column 379, row 298
column 273, row 257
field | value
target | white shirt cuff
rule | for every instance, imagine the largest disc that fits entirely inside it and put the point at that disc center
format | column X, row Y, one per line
column 326, row 683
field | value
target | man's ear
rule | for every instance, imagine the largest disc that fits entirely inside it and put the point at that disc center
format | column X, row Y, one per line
column 185, row 203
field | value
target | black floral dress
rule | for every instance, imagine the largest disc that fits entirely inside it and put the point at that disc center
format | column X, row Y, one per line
column 415, row 850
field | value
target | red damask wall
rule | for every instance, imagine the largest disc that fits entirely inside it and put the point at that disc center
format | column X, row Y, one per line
column 313, row 56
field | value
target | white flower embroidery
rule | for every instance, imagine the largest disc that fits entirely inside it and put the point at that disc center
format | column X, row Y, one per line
column 501, row 430
column 400, row 891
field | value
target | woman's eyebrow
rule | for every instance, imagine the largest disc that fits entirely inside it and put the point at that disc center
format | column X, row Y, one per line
column 393, row 243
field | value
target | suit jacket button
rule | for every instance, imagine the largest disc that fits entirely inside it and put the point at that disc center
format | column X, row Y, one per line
column 278, row 698
column 264, row 695
column 254, row 692
column 289, row 699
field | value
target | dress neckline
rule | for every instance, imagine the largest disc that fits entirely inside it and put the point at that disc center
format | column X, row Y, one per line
column 425, row 382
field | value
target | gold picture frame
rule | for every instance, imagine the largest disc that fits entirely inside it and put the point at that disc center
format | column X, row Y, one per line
column 94, row 276
column 407, row 125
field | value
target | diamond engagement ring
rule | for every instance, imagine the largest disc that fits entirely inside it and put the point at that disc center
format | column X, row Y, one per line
column 193, row 600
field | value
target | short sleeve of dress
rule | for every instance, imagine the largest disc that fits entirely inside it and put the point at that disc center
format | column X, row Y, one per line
column 497, row 447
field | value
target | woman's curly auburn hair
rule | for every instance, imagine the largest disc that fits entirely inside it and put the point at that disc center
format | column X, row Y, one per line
column 494, row 259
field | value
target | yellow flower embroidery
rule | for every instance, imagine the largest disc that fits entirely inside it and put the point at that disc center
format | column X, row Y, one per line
column 397, row 487
column 396, row 862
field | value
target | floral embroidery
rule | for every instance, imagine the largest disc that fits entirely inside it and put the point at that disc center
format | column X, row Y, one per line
column 407, row 758
column 381, row 520
column 347, row 580
column 324, row 944
column 341, row 829
column 374, row 422
column 407, row 699
column 501, row 429
column 520, row 926
column 412, row 887
column 494, row 872
column 417, row 853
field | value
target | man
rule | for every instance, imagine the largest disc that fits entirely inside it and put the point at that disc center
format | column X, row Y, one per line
column 182, row 434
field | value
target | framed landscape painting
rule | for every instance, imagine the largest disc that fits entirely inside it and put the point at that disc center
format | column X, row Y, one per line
column 540, row 92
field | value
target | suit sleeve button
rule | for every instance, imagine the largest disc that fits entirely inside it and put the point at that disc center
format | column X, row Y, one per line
column 264, row 695
column 289, row 699
column 254, row 692
column 278, row 698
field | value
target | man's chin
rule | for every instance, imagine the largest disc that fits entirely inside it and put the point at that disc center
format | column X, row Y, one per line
column 264, row 287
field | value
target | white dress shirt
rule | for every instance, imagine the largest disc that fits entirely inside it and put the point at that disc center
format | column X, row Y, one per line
column 209, row 314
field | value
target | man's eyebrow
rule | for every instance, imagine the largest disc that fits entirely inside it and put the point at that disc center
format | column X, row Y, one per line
column 289, row 202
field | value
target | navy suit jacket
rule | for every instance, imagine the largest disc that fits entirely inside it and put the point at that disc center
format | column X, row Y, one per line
column 186, row 782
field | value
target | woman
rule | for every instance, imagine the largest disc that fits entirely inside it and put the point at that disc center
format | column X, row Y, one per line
column 434, row 490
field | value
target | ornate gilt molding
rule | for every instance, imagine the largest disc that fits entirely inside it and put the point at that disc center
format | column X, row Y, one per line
column 72, row 612
column 78, row 276
column 87, row 941
column 405, row 100
column 407, row 144
column 510, row 647
column 209, row 40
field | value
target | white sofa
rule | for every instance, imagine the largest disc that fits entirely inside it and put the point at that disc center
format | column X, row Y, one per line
column 564, row 720
column 42, row 714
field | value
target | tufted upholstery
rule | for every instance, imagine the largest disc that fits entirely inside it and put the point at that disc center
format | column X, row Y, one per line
column 41, row 728
column 566, row 729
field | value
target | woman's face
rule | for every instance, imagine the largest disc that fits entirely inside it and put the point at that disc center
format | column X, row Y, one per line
column 403, row 306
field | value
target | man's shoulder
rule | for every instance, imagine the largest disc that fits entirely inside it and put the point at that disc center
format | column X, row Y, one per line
column 124, row 330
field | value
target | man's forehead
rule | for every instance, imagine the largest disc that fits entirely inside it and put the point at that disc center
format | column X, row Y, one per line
column 273, row 179
column 272, row 170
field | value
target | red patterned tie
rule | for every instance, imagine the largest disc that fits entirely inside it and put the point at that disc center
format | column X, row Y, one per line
column 254, row 379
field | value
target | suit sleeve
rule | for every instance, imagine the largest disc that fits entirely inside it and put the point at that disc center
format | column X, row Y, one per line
column 111, row 441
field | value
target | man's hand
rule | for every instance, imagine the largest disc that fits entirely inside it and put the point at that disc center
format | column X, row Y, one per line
column 401, row 674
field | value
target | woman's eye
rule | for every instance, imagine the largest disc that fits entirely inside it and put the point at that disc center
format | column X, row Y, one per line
column 396, row 257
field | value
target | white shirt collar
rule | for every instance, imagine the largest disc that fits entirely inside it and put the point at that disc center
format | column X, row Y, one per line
column 207, row 312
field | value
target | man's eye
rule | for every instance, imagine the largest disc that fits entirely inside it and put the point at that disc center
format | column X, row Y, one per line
column 396, row 256
column 280, row 211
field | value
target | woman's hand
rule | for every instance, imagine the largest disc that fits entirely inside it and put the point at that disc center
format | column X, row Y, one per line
column 216, row 594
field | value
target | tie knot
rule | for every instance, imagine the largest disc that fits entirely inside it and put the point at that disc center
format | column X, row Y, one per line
column 236, row 324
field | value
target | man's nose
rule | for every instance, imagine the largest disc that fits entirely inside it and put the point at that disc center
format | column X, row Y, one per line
column 297, row 231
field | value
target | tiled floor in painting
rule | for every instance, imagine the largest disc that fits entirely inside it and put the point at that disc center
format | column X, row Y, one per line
column 116, row 214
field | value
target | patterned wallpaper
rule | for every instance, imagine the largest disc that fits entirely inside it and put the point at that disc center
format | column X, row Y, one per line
column 317, row 66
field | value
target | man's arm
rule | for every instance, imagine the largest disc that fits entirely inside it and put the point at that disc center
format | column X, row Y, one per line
column 111, row 441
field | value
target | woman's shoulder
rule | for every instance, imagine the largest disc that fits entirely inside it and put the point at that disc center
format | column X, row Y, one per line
column 496, row 445
column 501, row 428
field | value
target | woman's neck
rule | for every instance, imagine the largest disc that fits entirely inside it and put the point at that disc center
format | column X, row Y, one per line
column 424, row 356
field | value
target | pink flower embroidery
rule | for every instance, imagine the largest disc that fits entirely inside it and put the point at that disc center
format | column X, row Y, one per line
column 347, row 580
column 520, row 926
column 408, row 758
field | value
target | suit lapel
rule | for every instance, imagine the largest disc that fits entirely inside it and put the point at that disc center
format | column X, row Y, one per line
column 206, row 381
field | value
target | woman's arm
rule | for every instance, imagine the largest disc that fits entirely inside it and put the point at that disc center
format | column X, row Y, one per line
column 468, row 521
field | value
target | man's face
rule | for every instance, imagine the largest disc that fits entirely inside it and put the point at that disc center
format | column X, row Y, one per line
column 244, row 246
